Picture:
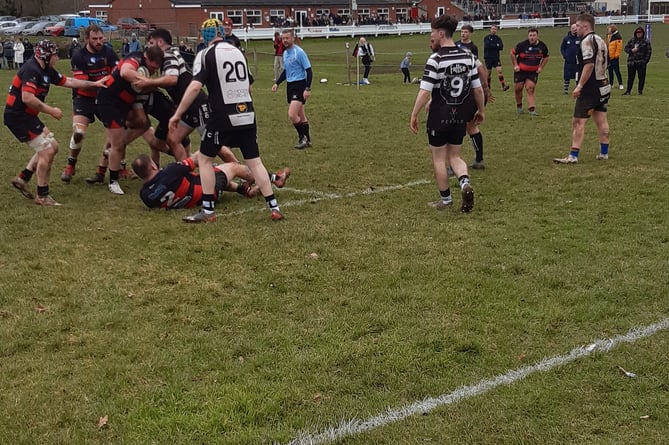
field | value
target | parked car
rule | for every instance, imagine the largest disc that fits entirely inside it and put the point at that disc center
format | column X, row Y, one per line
column 27, row 18
column 7, row 25
column 56, row 30
column 7, row 18
column 73, row 26
column 38, row 29
column 134, row 24
column 18, row 29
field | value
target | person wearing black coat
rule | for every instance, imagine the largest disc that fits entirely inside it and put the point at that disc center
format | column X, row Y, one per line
column 638, row 51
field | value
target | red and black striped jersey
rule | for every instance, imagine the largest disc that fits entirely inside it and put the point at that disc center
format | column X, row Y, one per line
column 32, row 78
column 173, row 187
column 529, row 56
column 117, row 86
column 92, row 66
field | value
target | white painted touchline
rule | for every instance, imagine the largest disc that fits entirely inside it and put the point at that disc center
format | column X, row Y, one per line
column 321, row 196
column 354, row 426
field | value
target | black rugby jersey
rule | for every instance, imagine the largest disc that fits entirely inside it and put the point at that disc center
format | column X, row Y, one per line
column 92, row 66
column 33, row 78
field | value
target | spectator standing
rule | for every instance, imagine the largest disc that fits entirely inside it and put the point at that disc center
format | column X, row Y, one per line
column 615, row 42
column 19, row 50
column 125, row 47
column 365, row 51
column 405, row 65
column 29, row 51
column 74, row 47
column 134, row 45
column 569, row 50
column 492, row 46
column 228, row 36
column 278, row 55
column 200, row 45
column 298, row 76
column 528, row 58
column 638, row 51
column 592, row 90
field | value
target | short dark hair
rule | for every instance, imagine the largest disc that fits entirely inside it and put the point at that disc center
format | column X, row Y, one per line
column 154, row 54
column 469, row 28
column 161, row 33
column 91, row 28
column 533, row 30
column 585, row 17
column 141, row 165
column 446, row 23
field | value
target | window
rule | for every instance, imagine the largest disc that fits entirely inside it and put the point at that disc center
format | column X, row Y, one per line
column 383, row 11
column 401, row 15
column 344, row 12
column 254, row 17
column 217, row 15
column 277, row 16
column 236, row 15
column 321, row 12
column 102, row 15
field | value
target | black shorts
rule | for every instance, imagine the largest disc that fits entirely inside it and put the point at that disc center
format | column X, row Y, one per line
column 522, row 76
column 592, row 100
column 492, row 63
column 84, row 106
column 214, row 138
column 24, row 126
column 112, row 115
column 295, row 91
column 221, row 182
column 197, row 115
column 453, row 135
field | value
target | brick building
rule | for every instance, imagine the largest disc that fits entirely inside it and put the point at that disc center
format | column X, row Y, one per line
column 183, row 17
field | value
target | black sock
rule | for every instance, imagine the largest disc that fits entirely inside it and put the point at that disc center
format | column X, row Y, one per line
column 299, row 129
column 207, row 202
column 445, row 194
column 272, row 202
column 42, row 190
column 71, row 161
column 305, row 126
column 477, row 141
column 26, row 174
column 113, row 176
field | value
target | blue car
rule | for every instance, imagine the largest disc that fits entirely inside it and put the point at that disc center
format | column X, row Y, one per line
column 74, row 25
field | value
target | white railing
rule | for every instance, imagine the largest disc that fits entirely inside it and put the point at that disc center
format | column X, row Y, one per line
column 420, row 28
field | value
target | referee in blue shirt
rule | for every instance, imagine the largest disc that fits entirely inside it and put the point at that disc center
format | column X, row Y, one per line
column 297, row 72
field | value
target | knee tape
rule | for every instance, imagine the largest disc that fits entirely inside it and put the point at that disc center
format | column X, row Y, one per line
column 43, row 142
column 78, row 133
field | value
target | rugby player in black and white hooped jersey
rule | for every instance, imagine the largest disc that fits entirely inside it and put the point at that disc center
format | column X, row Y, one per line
column 451, row 82
column 92, row 62
column 223, row 69
column 24, row 103
column 175, row 78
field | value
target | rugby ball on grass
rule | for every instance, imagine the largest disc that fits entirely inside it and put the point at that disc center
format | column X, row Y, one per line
column 324, row 80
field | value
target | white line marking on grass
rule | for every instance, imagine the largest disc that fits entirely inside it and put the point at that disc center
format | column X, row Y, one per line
column 355, row 426
column 322, row 196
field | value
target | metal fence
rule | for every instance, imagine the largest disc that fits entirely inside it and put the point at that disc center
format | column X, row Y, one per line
column 420, row 28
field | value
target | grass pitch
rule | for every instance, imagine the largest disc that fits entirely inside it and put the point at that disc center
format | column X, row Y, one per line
column 234, row 333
